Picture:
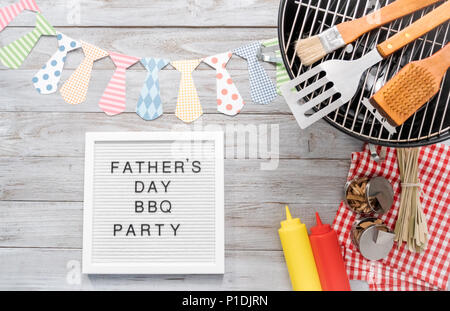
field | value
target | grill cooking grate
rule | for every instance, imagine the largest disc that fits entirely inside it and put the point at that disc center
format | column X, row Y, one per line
column 305, row 18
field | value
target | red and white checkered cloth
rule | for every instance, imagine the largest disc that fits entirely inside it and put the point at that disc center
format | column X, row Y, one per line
column 402, row 269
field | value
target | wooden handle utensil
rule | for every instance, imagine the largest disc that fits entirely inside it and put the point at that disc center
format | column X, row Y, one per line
column 414, row 31
column 352, row 30
column 313, row 49
column 438, row 64
column 412, row 87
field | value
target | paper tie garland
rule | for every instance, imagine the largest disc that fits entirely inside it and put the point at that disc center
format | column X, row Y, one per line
column 149, row 106
column 229, row 101
column 8, row 13
column 188, row 103
column 262, row 89
column 47, row 79
column 113, row 100
column 15, row 53
column 75, row 89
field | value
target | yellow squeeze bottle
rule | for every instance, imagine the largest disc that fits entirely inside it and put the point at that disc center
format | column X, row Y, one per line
column 298, row 254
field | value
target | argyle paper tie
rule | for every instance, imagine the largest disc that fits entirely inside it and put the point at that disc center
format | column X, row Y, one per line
column 47, row 79
column 262, row 89
column 8, row 13
column 229, row 101
column 188, row 104
column 75, row 89
column 15, row 53
column 113, row 100
column 149, row 106
column 282, row 75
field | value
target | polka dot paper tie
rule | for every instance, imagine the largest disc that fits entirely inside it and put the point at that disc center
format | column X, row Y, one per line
column 75, row 89
column 47, row 79
column 113, row 100
column 188, row 104
column 262, row 89
column 149, row 106
column 15, row 53
column 229, row 101
column 8, row 13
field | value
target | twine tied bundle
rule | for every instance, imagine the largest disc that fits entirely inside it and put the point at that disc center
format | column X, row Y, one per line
column 411, row 226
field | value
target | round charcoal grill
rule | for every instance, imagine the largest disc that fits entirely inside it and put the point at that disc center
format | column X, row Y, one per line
column 305, row 18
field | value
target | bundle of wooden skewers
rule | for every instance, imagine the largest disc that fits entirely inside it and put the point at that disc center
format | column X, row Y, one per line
column 411, row 226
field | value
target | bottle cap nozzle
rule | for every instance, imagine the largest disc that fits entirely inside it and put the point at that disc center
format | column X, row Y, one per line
column 288, row 213
column 318, row 220
column 289, row 220
column 320, row 228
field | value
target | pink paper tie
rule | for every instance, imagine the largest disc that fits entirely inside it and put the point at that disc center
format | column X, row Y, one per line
column 8, row 13
column 113, row 100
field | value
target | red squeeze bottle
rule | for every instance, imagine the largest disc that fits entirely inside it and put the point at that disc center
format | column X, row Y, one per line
column 328, row 257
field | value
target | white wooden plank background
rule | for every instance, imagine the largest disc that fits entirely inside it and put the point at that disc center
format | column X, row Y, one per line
column 42, row 145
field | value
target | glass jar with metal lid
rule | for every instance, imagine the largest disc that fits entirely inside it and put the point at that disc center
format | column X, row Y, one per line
column 372, row 238
column 369, row 195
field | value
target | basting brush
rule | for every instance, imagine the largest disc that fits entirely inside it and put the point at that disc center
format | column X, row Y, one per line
column 313, row 49
column 412, row 87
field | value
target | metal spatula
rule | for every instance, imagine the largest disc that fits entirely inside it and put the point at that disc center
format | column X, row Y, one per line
column 344, row 76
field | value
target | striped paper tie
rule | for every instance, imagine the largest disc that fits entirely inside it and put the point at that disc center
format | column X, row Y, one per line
column 8, row 13
column 113, row 100
column 282, row 75
column 14, row 54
